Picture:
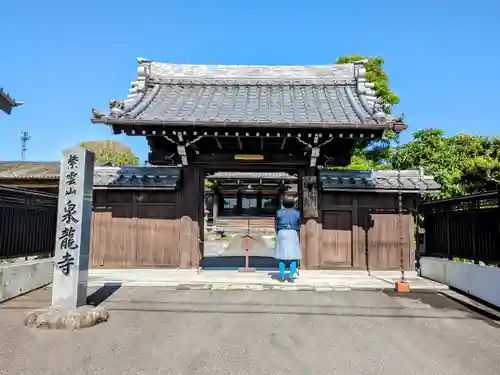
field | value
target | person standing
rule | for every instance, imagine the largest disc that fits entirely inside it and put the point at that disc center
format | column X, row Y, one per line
column 288, row 250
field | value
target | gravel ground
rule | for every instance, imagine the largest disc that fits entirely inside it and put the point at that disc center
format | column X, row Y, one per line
column 157, row 331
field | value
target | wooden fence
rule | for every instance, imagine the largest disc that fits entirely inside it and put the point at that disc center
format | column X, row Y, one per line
column 466, row 227
column 27, row 223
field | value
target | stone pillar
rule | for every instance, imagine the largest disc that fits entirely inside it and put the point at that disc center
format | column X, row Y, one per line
column 71, row 259
column 74, row 229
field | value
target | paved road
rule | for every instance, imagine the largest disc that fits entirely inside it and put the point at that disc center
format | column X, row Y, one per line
column 154, row 331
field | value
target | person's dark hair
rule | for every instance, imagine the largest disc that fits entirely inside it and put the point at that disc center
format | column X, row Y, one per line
column 288, row 202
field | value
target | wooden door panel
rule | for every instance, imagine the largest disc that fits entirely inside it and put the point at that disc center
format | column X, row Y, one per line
column 157, row 236
column 336, row 249
column 122, row 237
column 384, row 241
column 99, row 243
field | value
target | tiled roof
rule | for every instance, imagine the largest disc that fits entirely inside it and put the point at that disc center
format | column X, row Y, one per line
column 412, row 180
column 168, row 177
column 104, row 177
column 252, row 175
column 137, row 177
column 319, row 96
column 7, row 102
column 29, row 170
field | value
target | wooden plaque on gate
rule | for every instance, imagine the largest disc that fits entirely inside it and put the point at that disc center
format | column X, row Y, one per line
column 310, row 196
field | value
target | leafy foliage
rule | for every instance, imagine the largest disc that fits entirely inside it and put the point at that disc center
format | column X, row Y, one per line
column 110, row 152
column 374, row 74
column 374, row 154
column 462, row 164
column 482, row 171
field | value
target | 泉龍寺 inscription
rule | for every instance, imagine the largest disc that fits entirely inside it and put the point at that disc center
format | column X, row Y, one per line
column 73, row 228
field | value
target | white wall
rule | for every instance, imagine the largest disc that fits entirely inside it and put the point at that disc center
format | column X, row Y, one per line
column 23, row 277
column 478, row 281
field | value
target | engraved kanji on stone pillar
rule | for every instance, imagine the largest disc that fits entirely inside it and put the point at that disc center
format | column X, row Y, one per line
column 74, row 227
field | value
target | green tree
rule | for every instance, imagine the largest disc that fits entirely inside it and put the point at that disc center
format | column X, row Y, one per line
column 482, row 171
column 110, row 152
column 462, row 164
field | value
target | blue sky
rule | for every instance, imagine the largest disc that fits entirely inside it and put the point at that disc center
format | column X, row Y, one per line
column 63, row 59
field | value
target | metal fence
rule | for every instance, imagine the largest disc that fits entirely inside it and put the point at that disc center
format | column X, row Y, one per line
column 466, row 227
column 28, row 222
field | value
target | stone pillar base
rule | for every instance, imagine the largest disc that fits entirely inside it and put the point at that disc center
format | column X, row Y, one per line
column 71, row 319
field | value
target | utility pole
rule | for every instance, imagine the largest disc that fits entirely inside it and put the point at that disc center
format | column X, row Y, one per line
column 25, row 137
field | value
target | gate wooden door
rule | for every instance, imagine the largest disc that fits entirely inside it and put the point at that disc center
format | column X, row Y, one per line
column 157, row 236
column 141, row 230
column 336, row 249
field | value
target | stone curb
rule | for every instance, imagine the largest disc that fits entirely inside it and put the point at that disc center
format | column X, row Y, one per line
column 473, row 304
column 221, row 286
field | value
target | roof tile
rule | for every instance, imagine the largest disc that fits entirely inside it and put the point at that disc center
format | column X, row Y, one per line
column 412, row 180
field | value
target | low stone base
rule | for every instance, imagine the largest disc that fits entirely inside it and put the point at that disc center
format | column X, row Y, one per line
column 54, row 318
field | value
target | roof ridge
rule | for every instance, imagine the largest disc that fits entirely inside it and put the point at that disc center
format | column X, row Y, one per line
column 142, row 61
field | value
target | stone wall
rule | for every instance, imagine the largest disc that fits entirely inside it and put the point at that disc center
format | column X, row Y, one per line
column 23, row 277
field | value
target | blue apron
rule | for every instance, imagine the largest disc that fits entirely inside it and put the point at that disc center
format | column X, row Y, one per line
column 287, row 234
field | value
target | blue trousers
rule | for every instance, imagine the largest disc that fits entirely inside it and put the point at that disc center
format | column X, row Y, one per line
column 293, row 268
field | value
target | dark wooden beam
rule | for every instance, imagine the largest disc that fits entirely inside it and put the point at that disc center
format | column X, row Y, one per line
column 188, row 133
column 283, row 143
column 218, row 142
column 226, row 162
column 195, row 148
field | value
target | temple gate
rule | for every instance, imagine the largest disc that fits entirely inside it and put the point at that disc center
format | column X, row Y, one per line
column 242, row 136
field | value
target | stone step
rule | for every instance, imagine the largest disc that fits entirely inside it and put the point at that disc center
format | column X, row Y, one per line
column 233, row 230
column 245, row 223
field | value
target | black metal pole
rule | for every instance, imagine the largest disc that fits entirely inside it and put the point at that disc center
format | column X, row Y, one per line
column 400, row 209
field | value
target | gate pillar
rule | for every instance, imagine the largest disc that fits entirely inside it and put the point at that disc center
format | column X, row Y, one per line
column 191, row 214
column 311, row 213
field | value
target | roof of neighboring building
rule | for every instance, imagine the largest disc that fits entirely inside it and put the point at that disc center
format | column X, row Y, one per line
column 412, row 180
column 7, row 102
column 319, row 96
column 107, row 177
column 29, row 170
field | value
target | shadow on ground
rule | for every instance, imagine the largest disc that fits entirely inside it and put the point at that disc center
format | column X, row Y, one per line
column 102, row 294
column 232, row 262
column 441, row 302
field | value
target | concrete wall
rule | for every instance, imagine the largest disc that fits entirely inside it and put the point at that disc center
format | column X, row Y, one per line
column 22, row 277
column 478, row 281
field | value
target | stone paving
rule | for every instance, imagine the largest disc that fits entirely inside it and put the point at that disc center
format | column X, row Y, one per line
column 260, row 280
column 262, row 245
column 154, row 330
